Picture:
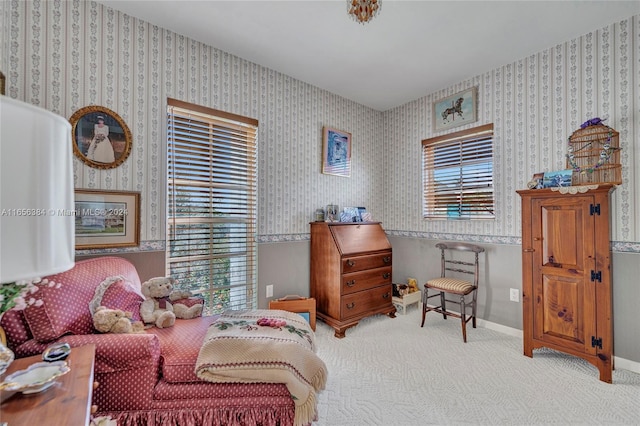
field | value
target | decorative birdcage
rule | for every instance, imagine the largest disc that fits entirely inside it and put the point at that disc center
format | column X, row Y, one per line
column 594, row 155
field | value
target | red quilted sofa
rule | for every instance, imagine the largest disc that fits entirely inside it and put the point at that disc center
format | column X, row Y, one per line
column 144, row 379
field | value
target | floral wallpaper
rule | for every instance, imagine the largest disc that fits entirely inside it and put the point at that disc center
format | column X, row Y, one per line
column 535, row 104
column 64, row 55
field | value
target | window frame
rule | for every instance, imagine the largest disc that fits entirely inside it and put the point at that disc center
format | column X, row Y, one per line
column 211, row 229
column 470, row 192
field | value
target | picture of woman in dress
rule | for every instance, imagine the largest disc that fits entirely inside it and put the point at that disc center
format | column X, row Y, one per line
column 101, row 149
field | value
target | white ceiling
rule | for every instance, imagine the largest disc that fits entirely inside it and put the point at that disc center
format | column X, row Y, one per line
column 411, row 49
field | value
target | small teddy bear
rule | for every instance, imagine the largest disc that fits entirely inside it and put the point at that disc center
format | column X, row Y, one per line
column 157, row 309
column 107, row 320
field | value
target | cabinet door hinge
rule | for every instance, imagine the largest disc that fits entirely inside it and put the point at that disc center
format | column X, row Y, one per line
column 596, row 276
column 596, row 342
column 594, row 209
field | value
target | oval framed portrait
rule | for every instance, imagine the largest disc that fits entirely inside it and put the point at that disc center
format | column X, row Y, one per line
column 101, row 139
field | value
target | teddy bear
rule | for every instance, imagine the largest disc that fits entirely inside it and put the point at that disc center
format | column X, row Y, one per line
column 158, row 308
column 413, row 285
column 107, row 320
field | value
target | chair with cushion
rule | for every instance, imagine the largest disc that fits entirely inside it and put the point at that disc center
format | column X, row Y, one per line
column 455, row 261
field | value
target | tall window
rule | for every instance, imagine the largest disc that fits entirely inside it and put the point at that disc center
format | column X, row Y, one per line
column 211, row 214
column 458, row 175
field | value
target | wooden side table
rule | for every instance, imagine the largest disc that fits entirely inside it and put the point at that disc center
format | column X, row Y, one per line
column 67, row 402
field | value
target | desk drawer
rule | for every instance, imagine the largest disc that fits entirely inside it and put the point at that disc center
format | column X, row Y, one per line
column 364, row 280
column 361, row 263
column 364, row 301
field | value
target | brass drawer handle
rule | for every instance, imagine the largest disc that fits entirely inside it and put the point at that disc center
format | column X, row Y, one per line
column 351, row 283
column 386, row 275
column 385, row 296
column 351, row 305
column 350, row 263
column 386, row 259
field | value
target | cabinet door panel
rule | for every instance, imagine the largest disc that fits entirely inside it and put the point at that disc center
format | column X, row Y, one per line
column 564, row 295
column 561, row 246
column 561, row 307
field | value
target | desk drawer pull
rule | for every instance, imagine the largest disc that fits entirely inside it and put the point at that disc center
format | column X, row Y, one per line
column 351, row 263
column 386, row 275
column 351, row 305
column 351, row 283
column 386, row 259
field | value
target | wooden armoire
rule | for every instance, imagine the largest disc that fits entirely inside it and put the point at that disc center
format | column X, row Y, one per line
column 566, row 273
column 350, row 272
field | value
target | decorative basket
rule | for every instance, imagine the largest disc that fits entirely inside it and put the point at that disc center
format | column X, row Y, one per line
column 594, row 155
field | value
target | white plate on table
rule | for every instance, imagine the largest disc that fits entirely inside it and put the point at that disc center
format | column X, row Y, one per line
column 36, row 378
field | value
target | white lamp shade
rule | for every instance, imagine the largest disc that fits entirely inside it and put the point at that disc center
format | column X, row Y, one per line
column 37, row 227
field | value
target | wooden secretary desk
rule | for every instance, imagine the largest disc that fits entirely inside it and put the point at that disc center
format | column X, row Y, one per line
column 566, row 274
column 350, row 272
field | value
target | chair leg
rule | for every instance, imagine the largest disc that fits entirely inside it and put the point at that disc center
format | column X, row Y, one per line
column 443, row 304
column 464, row 320
column 473, row 309
column 424, row 304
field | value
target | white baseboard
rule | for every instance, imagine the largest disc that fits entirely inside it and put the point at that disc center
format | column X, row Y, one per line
column 620, row 363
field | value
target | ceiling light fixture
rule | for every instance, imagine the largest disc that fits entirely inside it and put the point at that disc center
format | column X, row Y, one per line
column 363, row 11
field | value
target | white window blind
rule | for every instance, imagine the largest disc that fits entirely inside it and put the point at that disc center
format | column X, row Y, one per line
column 458, row 175
column 211, row 212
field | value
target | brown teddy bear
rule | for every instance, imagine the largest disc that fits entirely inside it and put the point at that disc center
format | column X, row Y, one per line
column 158, row 309
column 107, row 320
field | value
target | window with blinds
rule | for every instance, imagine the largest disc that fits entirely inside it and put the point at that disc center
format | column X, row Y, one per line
column 458, row 175
column 211, row 212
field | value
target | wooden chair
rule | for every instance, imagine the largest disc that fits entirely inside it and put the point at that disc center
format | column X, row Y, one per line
column 450, row 285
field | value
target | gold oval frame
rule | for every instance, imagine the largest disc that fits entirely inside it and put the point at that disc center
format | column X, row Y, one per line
column 119, row 135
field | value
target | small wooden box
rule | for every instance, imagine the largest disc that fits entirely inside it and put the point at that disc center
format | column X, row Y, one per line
column 297, row 304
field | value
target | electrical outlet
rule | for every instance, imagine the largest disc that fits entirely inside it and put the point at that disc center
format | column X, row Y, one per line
column 270, row 290
column 514, row 294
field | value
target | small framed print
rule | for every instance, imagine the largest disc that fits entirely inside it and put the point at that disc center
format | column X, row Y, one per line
column 455, row 110
column 536, row 181
column 106, row 219
column 336, row 152
column 557, row 178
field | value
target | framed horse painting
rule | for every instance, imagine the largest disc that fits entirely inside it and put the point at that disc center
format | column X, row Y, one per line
column 455, row 110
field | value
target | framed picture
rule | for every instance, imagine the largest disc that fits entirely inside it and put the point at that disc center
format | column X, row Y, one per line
column 536, row 181
column 101, row 139
column 557, row 178
column 336, row 152
column 455, row 110
column 107, row 218
column 350, row 214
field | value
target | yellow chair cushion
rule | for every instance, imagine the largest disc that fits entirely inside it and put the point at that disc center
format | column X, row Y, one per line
column 451, row 285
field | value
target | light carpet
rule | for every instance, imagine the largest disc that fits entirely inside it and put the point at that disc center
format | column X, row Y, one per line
column 392, row 372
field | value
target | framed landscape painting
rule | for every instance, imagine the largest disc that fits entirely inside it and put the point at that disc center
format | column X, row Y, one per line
column 455, row 110
column 105, row 219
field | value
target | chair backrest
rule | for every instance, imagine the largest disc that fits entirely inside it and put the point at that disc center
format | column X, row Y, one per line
column 461, row 266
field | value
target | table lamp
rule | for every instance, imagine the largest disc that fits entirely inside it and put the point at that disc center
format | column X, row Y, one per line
column 37, row 221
